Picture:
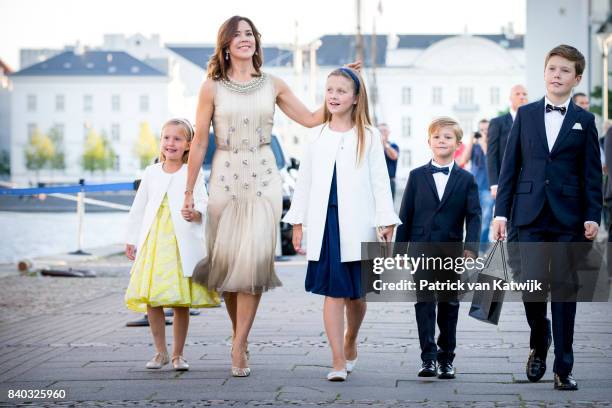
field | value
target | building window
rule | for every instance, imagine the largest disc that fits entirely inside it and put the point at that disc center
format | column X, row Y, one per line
column 495, row 96
column 59, row 132
column 60, row 102
column 116, row 163
column 466, row 96
column 466, row 125
column 406, row 127
column 406, row 157
column 406, row 95
column 115, row 132
column 31, row 130
column 31, row 103
column 436, row 95
column 144, row 103
column 115, row 103
column 87, row 103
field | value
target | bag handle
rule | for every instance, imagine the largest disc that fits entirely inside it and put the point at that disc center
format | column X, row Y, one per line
column 504, row 264
column 498, row 244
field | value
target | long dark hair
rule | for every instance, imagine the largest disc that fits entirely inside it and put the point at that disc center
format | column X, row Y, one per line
column 217, row 64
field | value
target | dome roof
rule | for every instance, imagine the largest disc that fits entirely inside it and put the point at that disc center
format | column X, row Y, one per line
column 466, row 53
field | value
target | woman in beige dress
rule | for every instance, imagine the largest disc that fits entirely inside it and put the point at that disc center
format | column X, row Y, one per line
column 245, row 202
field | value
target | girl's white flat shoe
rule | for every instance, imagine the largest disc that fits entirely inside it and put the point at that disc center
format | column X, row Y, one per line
column 158, row 361
column 350, row 365
column 337, row 375
column 179, row 363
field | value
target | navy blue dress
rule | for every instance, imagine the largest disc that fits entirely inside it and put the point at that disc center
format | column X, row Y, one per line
column 329, row 276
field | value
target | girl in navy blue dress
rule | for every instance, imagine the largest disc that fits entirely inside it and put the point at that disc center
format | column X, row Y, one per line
column 342, row 196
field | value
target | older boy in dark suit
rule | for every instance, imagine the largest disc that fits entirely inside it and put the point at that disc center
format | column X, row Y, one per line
column 551, row 177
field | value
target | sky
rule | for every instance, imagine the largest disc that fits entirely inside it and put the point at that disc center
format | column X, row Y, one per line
column 56, row 23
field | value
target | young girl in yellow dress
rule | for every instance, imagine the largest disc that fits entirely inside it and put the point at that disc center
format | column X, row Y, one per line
column 166, row 242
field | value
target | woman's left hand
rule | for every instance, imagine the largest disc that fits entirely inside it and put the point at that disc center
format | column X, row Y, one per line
column 356, row 65
column 387, row 232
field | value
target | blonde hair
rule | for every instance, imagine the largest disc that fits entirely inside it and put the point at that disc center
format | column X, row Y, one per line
column 188, row 132
column 360, row 114
column 444, row 121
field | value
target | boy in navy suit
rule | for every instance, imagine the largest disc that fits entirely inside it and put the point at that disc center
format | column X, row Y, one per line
column 440, row 197
column 551, row 175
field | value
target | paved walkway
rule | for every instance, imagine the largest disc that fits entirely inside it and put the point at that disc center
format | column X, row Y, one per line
column 86, row 350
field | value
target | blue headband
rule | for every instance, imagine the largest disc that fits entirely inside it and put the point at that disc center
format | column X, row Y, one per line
column 353, row 77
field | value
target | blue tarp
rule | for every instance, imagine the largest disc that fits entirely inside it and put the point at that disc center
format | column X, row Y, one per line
column 68, row 189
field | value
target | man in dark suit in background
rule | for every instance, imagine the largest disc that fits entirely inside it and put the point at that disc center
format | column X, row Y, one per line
column 391, row 155
column 499, row 129
column 581, row 99
column 551, row 180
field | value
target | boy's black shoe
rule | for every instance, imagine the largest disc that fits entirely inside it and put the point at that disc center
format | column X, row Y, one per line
column 536, row 365
column 428, row 369
column 565, row 383
column 446, row 371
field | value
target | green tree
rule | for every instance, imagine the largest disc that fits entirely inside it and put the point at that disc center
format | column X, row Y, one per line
column 146, row 147
column 98, row 154
column 39, row 152
column 109, row 154
column 503, row 112
column 5, row 163
column 58, row 161
column 94, row 152
column 596, row 95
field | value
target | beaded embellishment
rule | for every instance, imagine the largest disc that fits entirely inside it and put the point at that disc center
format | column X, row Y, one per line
column 244, row 87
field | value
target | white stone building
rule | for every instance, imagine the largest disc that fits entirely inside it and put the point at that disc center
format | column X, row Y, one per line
column 5, row 110
column 418, row 77
column 554, row 22
column 465, row 77
column 108, row 91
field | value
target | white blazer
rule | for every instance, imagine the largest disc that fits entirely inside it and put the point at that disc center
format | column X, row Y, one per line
column 364, row 192
column 154, row 185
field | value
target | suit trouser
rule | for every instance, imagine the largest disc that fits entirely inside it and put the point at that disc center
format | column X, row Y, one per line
column 447, row 314
column 547, row 256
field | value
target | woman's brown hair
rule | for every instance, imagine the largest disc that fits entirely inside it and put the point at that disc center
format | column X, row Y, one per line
column 360, row 114
column 217, row 64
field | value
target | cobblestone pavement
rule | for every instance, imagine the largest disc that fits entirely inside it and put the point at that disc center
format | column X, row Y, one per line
column 69, row 334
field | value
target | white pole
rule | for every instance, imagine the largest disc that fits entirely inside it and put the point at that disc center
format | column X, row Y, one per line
column 80, row 214
column 80, row 219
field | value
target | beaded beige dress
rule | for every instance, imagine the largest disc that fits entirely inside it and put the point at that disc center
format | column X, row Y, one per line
column 245, row 195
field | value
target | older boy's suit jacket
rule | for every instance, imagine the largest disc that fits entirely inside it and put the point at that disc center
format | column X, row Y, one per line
column 568, row 176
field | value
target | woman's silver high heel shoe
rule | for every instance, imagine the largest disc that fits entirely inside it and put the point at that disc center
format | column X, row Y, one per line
column 241, row 371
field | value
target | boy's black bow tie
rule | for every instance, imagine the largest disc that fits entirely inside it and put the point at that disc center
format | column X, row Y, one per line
column 435, row 170
column 550, row 108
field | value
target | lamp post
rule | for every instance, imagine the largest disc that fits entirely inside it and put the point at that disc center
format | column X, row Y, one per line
column 604, row 41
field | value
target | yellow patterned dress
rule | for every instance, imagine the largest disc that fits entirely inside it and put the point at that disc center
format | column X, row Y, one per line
column 157, row 275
